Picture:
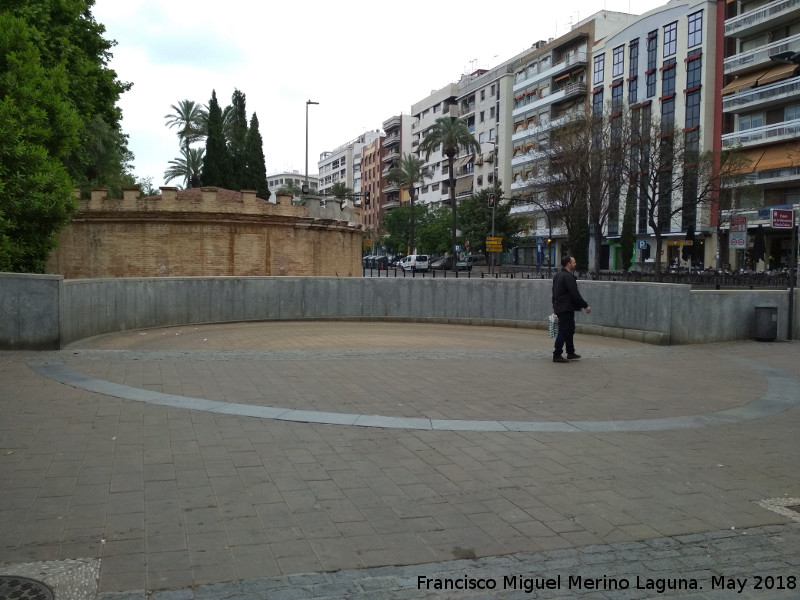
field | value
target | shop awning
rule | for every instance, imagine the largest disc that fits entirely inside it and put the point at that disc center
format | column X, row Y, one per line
column 779, row 156
column 460, row 162
column 745, row 81
column 463, row 185
column 489, row 157
column 777, row 73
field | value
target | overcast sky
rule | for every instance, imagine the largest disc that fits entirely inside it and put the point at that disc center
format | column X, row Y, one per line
column 362, row 61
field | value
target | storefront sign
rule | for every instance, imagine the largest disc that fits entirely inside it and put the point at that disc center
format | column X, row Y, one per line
column 782, row 218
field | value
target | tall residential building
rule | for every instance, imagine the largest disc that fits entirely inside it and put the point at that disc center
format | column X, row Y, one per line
column 439, row 103
column 761, row 116
column 396, row 143
column 551, row 88
column 372, row 182
column 484, row 102
column 661, row 69
column 343, row 164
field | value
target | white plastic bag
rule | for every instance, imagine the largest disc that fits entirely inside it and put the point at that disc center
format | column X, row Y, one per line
column 552, row 330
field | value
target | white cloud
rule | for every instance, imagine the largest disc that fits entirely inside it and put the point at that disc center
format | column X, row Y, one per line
column 362, row 61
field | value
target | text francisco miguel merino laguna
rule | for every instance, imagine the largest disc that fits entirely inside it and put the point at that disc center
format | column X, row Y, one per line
column 573, row 582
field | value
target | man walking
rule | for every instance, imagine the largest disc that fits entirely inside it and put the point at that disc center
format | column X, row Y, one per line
column 566, row 300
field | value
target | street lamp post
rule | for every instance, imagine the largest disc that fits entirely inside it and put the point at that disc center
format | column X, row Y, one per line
column 494, row 186
column 305, row 185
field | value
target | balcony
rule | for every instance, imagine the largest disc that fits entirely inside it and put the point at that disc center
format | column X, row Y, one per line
column 467, row 109
column 746, row 61
column 391, row 155
column 788, row 130
column 389, row 205
column 569, row 91
column 534, row 75
column 780, row 176
column 391, row 140
column 774, row 93
column 760, row 19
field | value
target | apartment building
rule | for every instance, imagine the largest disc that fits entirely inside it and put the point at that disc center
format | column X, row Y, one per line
column 290, row 178
column 661, row 68
column 550, row 88
column 761, row 117
column 396, row 143
column 484, row 102
column 440, row 103
column 372, row 155
column 343, row 164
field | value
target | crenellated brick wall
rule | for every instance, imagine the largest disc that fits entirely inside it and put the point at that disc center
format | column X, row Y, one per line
column 206, row 232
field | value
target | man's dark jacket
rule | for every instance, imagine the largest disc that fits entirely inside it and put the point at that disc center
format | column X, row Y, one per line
column 566, row 297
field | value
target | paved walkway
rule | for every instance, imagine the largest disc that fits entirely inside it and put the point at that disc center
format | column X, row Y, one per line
column 332, row 459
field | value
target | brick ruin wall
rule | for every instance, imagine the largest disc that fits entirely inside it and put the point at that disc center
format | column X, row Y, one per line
column 207, row 233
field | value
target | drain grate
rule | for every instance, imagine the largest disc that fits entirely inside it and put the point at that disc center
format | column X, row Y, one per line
column 787, row 507
column 22, row 588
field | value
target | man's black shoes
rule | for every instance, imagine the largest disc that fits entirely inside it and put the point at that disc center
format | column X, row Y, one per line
column 573, row 356
column 559, row 359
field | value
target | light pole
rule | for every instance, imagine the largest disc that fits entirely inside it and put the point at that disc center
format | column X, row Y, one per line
column 305, row 185
column 494, row 187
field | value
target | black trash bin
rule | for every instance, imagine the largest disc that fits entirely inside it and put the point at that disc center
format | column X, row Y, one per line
column 766, row 323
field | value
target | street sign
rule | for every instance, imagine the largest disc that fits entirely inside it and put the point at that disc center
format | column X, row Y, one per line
column 680, row 243
column 458, row 247
column 641, row 244
column 539, row 240
column 738, row 233
column 499, row 240
column 782, row 218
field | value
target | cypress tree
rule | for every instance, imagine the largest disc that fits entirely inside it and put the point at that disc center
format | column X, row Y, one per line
column 217, row 161
column 237, row 140
column 256, row 172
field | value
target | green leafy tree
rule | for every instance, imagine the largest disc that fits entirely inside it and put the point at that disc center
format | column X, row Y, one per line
column 475, row 220
column 187, row 167
column 454, row 135
column 397, row 227
column 256, row 173
column 217, row 161
column 190, row 118
column 291, row 186
column 67, row 37
column 408, row 174
column 433, row 231
column 39, row 126
column 340, row 191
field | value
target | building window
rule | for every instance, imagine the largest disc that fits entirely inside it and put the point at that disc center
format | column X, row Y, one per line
column 791, row 113
column 597, row 104
column 491, row 134
column 693, row 109
column 483, row 95
column 481, row 138
column 633, row 91
column 670, row 39
column 599, row 67
column 694, row 72
column 491, row 112
column 618, row 65
column 668, row 78
column 492, row 91
column 651, row 84
column 668, row 116
column 695, row 29
column 633, row 58
column 481, row 116
column 751, row 121
column 616, row 98
column 652, row 50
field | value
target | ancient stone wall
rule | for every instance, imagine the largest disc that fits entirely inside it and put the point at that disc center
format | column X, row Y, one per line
column 207, row 232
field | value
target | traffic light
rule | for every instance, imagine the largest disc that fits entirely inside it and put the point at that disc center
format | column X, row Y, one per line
column 366, row 198
column 491, row 200
column 549, row 241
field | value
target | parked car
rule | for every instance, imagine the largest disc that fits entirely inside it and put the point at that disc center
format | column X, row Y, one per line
column 469, row 261
column 444, row 263
column 415, row 262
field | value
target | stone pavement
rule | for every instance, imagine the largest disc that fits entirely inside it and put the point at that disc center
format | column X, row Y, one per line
column 347, row 460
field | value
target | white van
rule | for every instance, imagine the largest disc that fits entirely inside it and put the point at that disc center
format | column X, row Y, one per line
column 416, row 262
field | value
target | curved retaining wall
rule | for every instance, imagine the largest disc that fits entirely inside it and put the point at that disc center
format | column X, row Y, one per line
column 46, row 312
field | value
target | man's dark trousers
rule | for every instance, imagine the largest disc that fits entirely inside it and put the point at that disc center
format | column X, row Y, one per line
column 566, row 332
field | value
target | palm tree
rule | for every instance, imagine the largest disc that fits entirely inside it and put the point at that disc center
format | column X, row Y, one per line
column 188, row 167
column 189, row 117
column 408, row 174
column 291, row 187
column 454, row 135
column 340, row 191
